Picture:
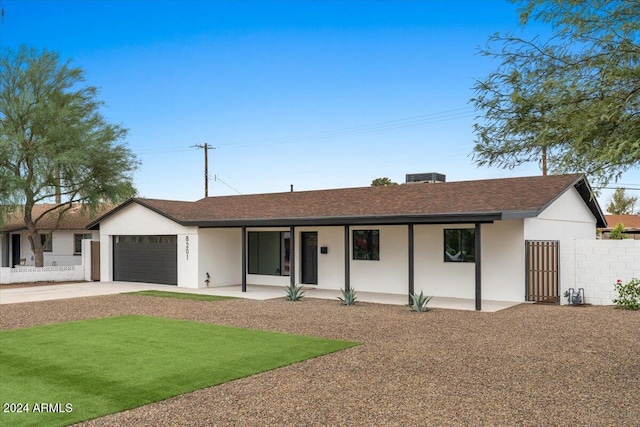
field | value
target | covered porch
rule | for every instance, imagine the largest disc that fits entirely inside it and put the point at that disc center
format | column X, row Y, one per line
column 406, row 228
column 254, row 292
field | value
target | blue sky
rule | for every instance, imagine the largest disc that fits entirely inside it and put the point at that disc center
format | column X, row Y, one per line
column 318, row 94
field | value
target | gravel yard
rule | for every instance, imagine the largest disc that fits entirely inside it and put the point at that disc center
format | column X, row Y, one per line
column 532, row 365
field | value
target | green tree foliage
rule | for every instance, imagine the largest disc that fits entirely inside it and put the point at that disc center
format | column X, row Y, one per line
column 54, row 142
column 618, row 232
column 573, row 99
column 382, row 182
column 621, row 204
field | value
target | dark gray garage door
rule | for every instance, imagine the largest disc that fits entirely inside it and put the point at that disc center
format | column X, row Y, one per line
column 149, row 259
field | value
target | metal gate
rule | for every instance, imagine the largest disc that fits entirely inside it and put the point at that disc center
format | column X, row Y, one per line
column 542, row 269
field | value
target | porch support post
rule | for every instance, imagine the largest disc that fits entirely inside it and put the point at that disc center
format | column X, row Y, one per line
column 292, row 256
column 347, row 260
column 478, row 241
column 411, row 262
column 244, row 259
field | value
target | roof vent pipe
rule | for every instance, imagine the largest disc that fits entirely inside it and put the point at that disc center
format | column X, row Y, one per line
column 292, row 188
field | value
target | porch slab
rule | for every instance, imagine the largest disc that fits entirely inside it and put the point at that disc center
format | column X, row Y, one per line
column 255, row 292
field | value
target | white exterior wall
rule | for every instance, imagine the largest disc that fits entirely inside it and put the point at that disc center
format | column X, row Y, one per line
column 188, row 259
column 220, row 255
column 503, row 261
column 595, row 265
column 432, row 274
column 566, row 218
column 134, row 220
column 331, row 264
column 502, row 257
column 390, row 274
column 62, row 248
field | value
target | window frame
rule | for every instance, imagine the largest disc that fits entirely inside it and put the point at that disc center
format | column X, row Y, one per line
column 369, row 237
column 46, row 239
column 284, row 253
column 461, row 253
column 77, row 241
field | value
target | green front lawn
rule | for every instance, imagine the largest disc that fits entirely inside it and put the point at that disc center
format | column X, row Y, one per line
column 86, row 369
column 180, row 295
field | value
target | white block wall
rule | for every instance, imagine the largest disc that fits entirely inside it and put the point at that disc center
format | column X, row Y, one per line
column 60, row 273
column 595, row 265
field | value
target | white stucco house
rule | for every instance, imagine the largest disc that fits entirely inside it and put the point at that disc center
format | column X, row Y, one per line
column 455, row 239
column 62, row 240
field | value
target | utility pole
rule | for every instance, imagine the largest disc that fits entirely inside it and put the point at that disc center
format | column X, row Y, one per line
column 206, row 147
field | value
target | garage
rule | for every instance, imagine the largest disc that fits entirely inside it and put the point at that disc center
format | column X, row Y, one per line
column 148, row 259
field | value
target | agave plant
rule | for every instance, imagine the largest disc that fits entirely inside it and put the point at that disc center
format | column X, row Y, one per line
column 348, row 297
column 419, row 302
column 294, row 293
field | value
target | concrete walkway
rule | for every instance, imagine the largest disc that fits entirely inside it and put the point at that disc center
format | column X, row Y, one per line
column 255, row 292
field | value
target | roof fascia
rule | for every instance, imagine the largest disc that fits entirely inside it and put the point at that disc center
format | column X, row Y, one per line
column 584, row 189
column 519, row 214
column 355, row 220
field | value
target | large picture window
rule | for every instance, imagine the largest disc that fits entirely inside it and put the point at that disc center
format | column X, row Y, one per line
column 459, row 245
column 366, row 245
column 269, row 252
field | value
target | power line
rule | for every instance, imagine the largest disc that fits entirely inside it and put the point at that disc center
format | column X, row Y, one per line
column 615, row 188
column 217, row 178
column 362, row 129
column 411, row 121
column 170, row 150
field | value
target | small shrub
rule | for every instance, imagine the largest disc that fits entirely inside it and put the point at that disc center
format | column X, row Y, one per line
column 294, row 293
column 348, row 297
column 419, row 303
column 617, row 232
column 628, row 294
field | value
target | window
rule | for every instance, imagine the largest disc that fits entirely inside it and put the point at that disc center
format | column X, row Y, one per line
column 47, row 242
column 269, row 252
column 77, row 242
column 459, row 245
column 366, row 245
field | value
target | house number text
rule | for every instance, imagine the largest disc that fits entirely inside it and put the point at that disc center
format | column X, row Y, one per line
column 186, row 249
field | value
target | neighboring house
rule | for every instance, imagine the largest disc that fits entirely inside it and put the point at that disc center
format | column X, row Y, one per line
column 631, row 225
column 62, row 246
column 456, row 239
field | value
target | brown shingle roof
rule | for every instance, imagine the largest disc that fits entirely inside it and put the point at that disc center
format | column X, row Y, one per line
column 447, row 202
column 75, row 218
column 630, row 222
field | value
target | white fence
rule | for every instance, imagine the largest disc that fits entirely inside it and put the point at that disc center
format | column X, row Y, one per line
column 596, row 265
column 54, row 273
column 61, row 273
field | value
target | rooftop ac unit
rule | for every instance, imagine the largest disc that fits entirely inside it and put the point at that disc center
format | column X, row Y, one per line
column 425, row 177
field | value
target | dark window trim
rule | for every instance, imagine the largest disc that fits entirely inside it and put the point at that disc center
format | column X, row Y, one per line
column 372, row 238
column 281, row 268
column 460, row 255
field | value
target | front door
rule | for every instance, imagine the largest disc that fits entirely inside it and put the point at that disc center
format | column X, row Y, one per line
column 309, row 254
column 15, row 250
